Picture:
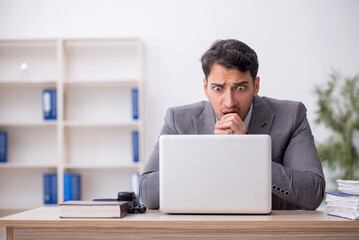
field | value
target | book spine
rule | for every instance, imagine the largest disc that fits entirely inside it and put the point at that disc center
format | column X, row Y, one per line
column 135, row 146
column 67, row 187
column 54, row 104
column 75, row 187
column 3, row 146
column 71, row 187
column 50, row 188
column 49, row 105
column 53, row 188
column 134, row 93
column 47, row 188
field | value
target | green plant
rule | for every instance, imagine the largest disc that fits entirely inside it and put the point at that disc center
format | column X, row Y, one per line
column 338, row 103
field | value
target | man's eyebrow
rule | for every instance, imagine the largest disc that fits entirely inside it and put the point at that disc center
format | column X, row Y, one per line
column 240, row 83
column 218, row 85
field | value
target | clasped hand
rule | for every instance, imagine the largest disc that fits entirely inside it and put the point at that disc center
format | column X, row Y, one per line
column 230, row 123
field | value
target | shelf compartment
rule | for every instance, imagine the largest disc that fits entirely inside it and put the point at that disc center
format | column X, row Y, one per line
column 36, row 54
column 21, row 103
column 100, row 104
column 103, row 183
column 98, row 146
column 31, row 145
column 102, row 59
column 21, row 187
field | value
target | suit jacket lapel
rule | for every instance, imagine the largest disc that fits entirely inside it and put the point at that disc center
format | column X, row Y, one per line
column 204, row 124
column 262, row 118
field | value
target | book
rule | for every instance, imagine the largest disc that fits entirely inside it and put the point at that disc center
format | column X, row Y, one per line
column 343, row 205
column 49, row 105
column 3, row 146
column 50, row 188
column 71, row 186
column 135, row 146
column 134, row 95
column 348, row 186
column 93, row 209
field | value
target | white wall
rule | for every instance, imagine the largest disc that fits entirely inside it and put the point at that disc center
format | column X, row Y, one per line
column 298, row 42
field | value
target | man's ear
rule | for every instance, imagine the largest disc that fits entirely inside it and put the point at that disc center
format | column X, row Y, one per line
column 205, row 84
column 256, row 86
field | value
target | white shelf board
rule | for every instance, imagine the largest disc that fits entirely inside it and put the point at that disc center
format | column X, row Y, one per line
column 101, row 124
column 105, row 82
column 27, row 165
column 29, row 124
column 83, row 42
column 27, row 83
column 101, row 166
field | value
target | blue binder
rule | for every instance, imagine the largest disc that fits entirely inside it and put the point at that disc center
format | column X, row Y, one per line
column 50, row 188
column 71, row 187
column 135, row 146
column 134, row 93
column 3, row 146
column 49, row 104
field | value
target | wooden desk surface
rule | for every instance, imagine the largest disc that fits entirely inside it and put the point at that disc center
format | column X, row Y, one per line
column 44, row 223
column 49, row 217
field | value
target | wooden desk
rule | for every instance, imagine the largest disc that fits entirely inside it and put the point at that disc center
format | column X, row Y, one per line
column 44, row 223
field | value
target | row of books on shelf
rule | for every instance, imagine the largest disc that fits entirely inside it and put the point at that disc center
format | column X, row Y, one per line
column 49, row 103
column 4, row 146
column 345, row 202
column 72, row 187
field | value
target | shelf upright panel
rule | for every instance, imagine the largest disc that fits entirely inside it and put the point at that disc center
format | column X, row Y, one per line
column 60, row 119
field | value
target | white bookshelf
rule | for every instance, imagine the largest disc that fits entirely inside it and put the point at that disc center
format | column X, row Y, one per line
column 92, row 133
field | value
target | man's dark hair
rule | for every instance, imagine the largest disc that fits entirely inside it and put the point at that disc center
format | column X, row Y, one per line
column 230, row 53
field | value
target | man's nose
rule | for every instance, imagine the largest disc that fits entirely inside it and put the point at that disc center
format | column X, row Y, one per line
column 229, row 99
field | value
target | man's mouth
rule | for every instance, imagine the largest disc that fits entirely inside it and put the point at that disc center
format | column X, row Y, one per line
column 227, row 111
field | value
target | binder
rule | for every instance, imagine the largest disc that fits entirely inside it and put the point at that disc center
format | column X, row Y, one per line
column 49, row 104
column 53, row 194
column 134, row 94
column 3, row 146
column 71, row 187
column 135, row 146
column 50, row 188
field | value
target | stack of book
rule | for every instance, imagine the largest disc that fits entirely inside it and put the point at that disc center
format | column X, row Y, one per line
column 344, row 203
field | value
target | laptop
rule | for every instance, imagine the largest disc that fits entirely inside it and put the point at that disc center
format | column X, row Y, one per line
column 215, row 174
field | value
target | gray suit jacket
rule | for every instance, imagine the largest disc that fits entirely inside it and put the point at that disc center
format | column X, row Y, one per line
column 297, row 175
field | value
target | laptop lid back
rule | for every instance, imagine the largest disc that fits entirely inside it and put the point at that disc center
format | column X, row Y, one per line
column 228, row 174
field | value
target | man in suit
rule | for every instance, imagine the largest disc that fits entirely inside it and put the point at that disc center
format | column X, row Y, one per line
column 231, row 85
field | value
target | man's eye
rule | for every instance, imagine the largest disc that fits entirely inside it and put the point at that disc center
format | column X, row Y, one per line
column 241, row 88
column 217, row 89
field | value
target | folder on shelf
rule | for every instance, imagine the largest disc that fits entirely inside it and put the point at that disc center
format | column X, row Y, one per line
column 71, row 187
column 49, row 104
column 135, row 146
column 50, row 188
column 134, row 94
column 3, row 146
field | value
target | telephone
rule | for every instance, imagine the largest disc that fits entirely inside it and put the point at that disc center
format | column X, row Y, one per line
column 130, row 197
